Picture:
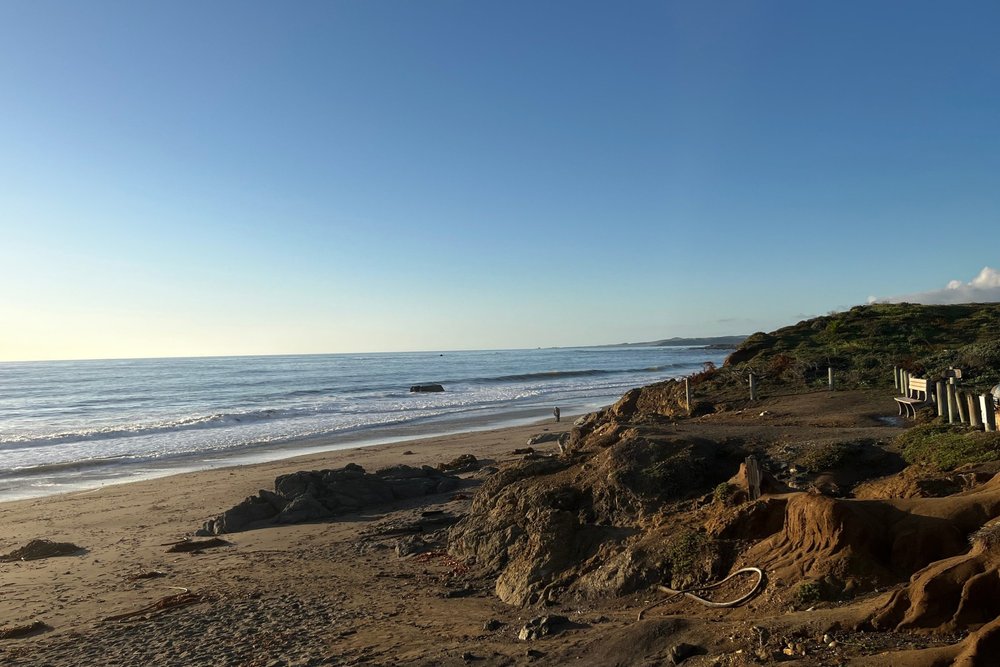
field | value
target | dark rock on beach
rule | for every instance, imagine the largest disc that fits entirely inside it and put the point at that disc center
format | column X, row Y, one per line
column 321, row 494
column 460, row 464
column 681, row 652
column 540, row 438
column 542, row 626
column 427, row 387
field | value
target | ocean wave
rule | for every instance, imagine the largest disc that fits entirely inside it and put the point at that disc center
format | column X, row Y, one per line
column 65, row 466
column 384, row 401
column 559, row 375
column 385, row 409
column 10, row 443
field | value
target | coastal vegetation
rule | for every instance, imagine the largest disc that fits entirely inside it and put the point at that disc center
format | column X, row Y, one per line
column 948, row 446
column 864, row 343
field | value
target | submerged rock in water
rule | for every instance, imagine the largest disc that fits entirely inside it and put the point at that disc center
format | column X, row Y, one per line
column 310, row 495
column 432, row 387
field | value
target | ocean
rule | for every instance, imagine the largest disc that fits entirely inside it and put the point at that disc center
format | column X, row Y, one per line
column 72, row 425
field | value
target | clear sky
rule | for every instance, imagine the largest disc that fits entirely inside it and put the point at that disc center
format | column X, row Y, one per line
column 189, row 178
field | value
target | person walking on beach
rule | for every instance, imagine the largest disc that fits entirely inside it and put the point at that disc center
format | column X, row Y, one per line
column 555, row 411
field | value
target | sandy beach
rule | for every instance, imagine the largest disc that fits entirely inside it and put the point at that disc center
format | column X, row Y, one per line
column 304, row 592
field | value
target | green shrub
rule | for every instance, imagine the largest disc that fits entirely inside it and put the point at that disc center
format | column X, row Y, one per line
column 826, row 457
column 808, row 592
column 723, row 492
column 947, row 446
column 691, row 555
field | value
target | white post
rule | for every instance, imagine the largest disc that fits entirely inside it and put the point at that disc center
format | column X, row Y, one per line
column 687, row 395
column 753, row 387
column 960, row 406
column 971, row 406
column 989, row 412
column 829, row 376
column 951, row 403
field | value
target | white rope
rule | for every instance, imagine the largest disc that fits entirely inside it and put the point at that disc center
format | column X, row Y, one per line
column 687, row 592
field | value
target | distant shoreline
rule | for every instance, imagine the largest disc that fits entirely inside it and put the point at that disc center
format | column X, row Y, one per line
column 712, row 342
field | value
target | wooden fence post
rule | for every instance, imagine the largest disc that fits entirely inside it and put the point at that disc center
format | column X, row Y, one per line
column 895, row 377
column 687, row 395
column 753, row 478
column 940, row 397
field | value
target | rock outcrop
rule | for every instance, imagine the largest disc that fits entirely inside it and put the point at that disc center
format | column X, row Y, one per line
column 950, row 594
column 549, row 526
column 850, row 546
column 321, row 494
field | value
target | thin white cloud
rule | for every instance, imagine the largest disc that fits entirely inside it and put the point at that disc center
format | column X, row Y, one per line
column 984, row 288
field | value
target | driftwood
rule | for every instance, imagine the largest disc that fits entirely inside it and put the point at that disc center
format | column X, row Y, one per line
column 754, row 478
column 182, row 599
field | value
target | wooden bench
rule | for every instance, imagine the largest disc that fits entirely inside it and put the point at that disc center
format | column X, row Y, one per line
column 916, row 396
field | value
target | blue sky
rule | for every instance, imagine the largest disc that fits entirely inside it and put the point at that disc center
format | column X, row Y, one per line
column 250, row 178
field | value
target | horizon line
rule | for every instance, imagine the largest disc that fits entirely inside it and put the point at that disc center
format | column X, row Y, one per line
column 324, row 354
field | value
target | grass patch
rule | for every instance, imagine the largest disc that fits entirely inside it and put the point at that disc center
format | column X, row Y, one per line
column 808, row 592
column 691, row 555
column 947, row 446
column 827, row 457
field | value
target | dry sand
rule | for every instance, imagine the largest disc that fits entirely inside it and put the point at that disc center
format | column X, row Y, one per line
column 305, row 594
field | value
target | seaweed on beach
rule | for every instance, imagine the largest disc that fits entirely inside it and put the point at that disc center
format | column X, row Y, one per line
column 38, row 549
column 25, row 630
column 190, row 546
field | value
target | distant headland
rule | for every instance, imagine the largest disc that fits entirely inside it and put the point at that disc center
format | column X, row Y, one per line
column 715, row 342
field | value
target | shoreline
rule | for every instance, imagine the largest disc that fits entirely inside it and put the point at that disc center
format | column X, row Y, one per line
column 107, row 425
column 483, row 439
column 294, row 448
